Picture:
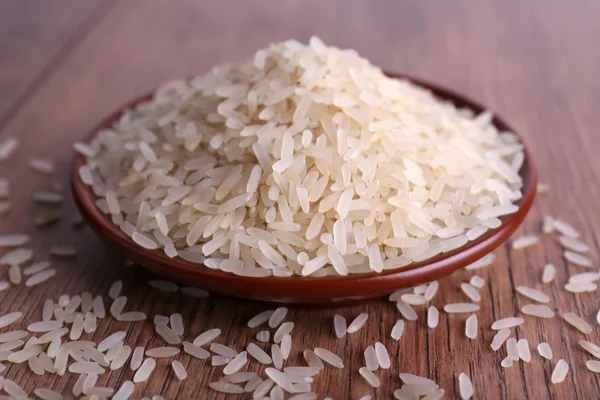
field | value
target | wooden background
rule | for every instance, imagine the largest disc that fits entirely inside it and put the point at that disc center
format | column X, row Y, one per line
column 65, row 64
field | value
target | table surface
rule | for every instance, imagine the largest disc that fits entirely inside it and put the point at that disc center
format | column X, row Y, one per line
column 66, row 64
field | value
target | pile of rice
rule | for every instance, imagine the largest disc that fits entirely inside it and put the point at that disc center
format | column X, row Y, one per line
column 306, row 161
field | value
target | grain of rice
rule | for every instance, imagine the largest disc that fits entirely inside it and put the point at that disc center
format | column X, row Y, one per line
column 9, row 318
column 578, row 323
column 179, row 370
column 280, row 379
column 283, row 330
column 16, row 257
column 573, row 244
column 471, row 327
column 117, row 306
column 161, row 352
column 523, row 347
column 500, row 338
column 485, row 261
column 111, row 340
column 512, row 347
column 44, row 326
column 124, row 391
column 533, row 294
column 370, row 377
column 421, row 388
column 223, row 350
column 581, row 287
column 36, row 267
column 13, row 389
column 286, row 346
column 276, row 356
column 115, row 290
column 561, row 369
column 431, row 290
column 358, row 322
column 541, row 311
column 4, row 285
column 86, row 367
column 12, row 336
column 413, row 299
column 505, row 323
column 590, row 348
column 433, row 317
column 507, row 362
column 477, row 282
column 25, row 354
column 339, row 324
column 48, row 394
column 260, row 318
column 236, row 364
column 400, row 394
column 470, row 292
column 40, row 277
column 177, row 324
column 143, row 373
column 545, row 350
column 277, row 317
column 259, row 354
column 465, row 386
column 312, row 359
column 164, row 286
column 577, row 259
column 397, row 329
column 565, row 229
column 195, row 351
column 406, row 311
column 549, row 273
column 137, row 358
column 206, row 337
column 14, row 240
column 167, row 334
column 461, row 308
column 383, row 357
column 524, row 241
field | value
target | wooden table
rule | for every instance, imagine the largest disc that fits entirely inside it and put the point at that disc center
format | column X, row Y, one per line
column 65, row 64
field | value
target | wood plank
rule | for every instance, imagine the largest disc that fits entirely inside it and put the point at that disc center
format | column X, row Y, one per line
column 532, row 62
column 33, row 41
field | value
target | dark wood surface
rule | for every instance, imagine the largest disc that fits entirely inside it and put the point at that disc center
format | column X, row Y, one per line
column 65, row 64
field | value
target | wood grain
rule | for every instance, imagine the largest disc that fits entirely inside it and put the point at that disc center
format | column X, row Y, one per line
column 532, row 62
column 35, row 39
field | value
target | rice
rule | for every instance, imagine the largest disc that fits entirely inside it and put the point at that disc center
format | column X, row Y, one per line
column 578, row 323
column 40, row 277
column 465, row 386
column 370, row 377
column 48, row 394
column 565, row 229
column 477, row 281
column 383, row 357
column 276, row 356
column 143, row 373
column 14, row 240
column 549, row 273
column 590, row 348
column 331, row 358
column 507, row 362
column 195, row 351
column 259, row 354
column 397, row 329
column 177, row 324
column 86, row 367
column 483, row 262
column 223, row 350
column 560, row 371
column 406, row 311
column 115, row 289
column 544, row 350
column 41, row 165
column 461, row 308
column 206, row 337
column 236, row 364
column 431, row 290
column 161, row 352
column 573, row 244
column 524, row 241
column 339, row 325
column 505, row 323
column 577, row 259
column 7, row 148
column 433, row 317
column 44, row 326
column 277, row 317
column 260, row 318
column 471, row 327
column 533, row 294
column 283, row 330
column 500, row 338
column 541, row 311
column 301, row 151
column 8, row 319
column 167, row 334
column 470, row 292
column 124, row 391
column 122, row 357
column 111, row 340
column 523, row 349
column 13, row 389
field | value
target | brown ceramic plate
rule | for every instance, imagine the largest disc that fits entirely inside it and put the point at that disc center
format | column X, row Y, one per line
column 306, row 290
